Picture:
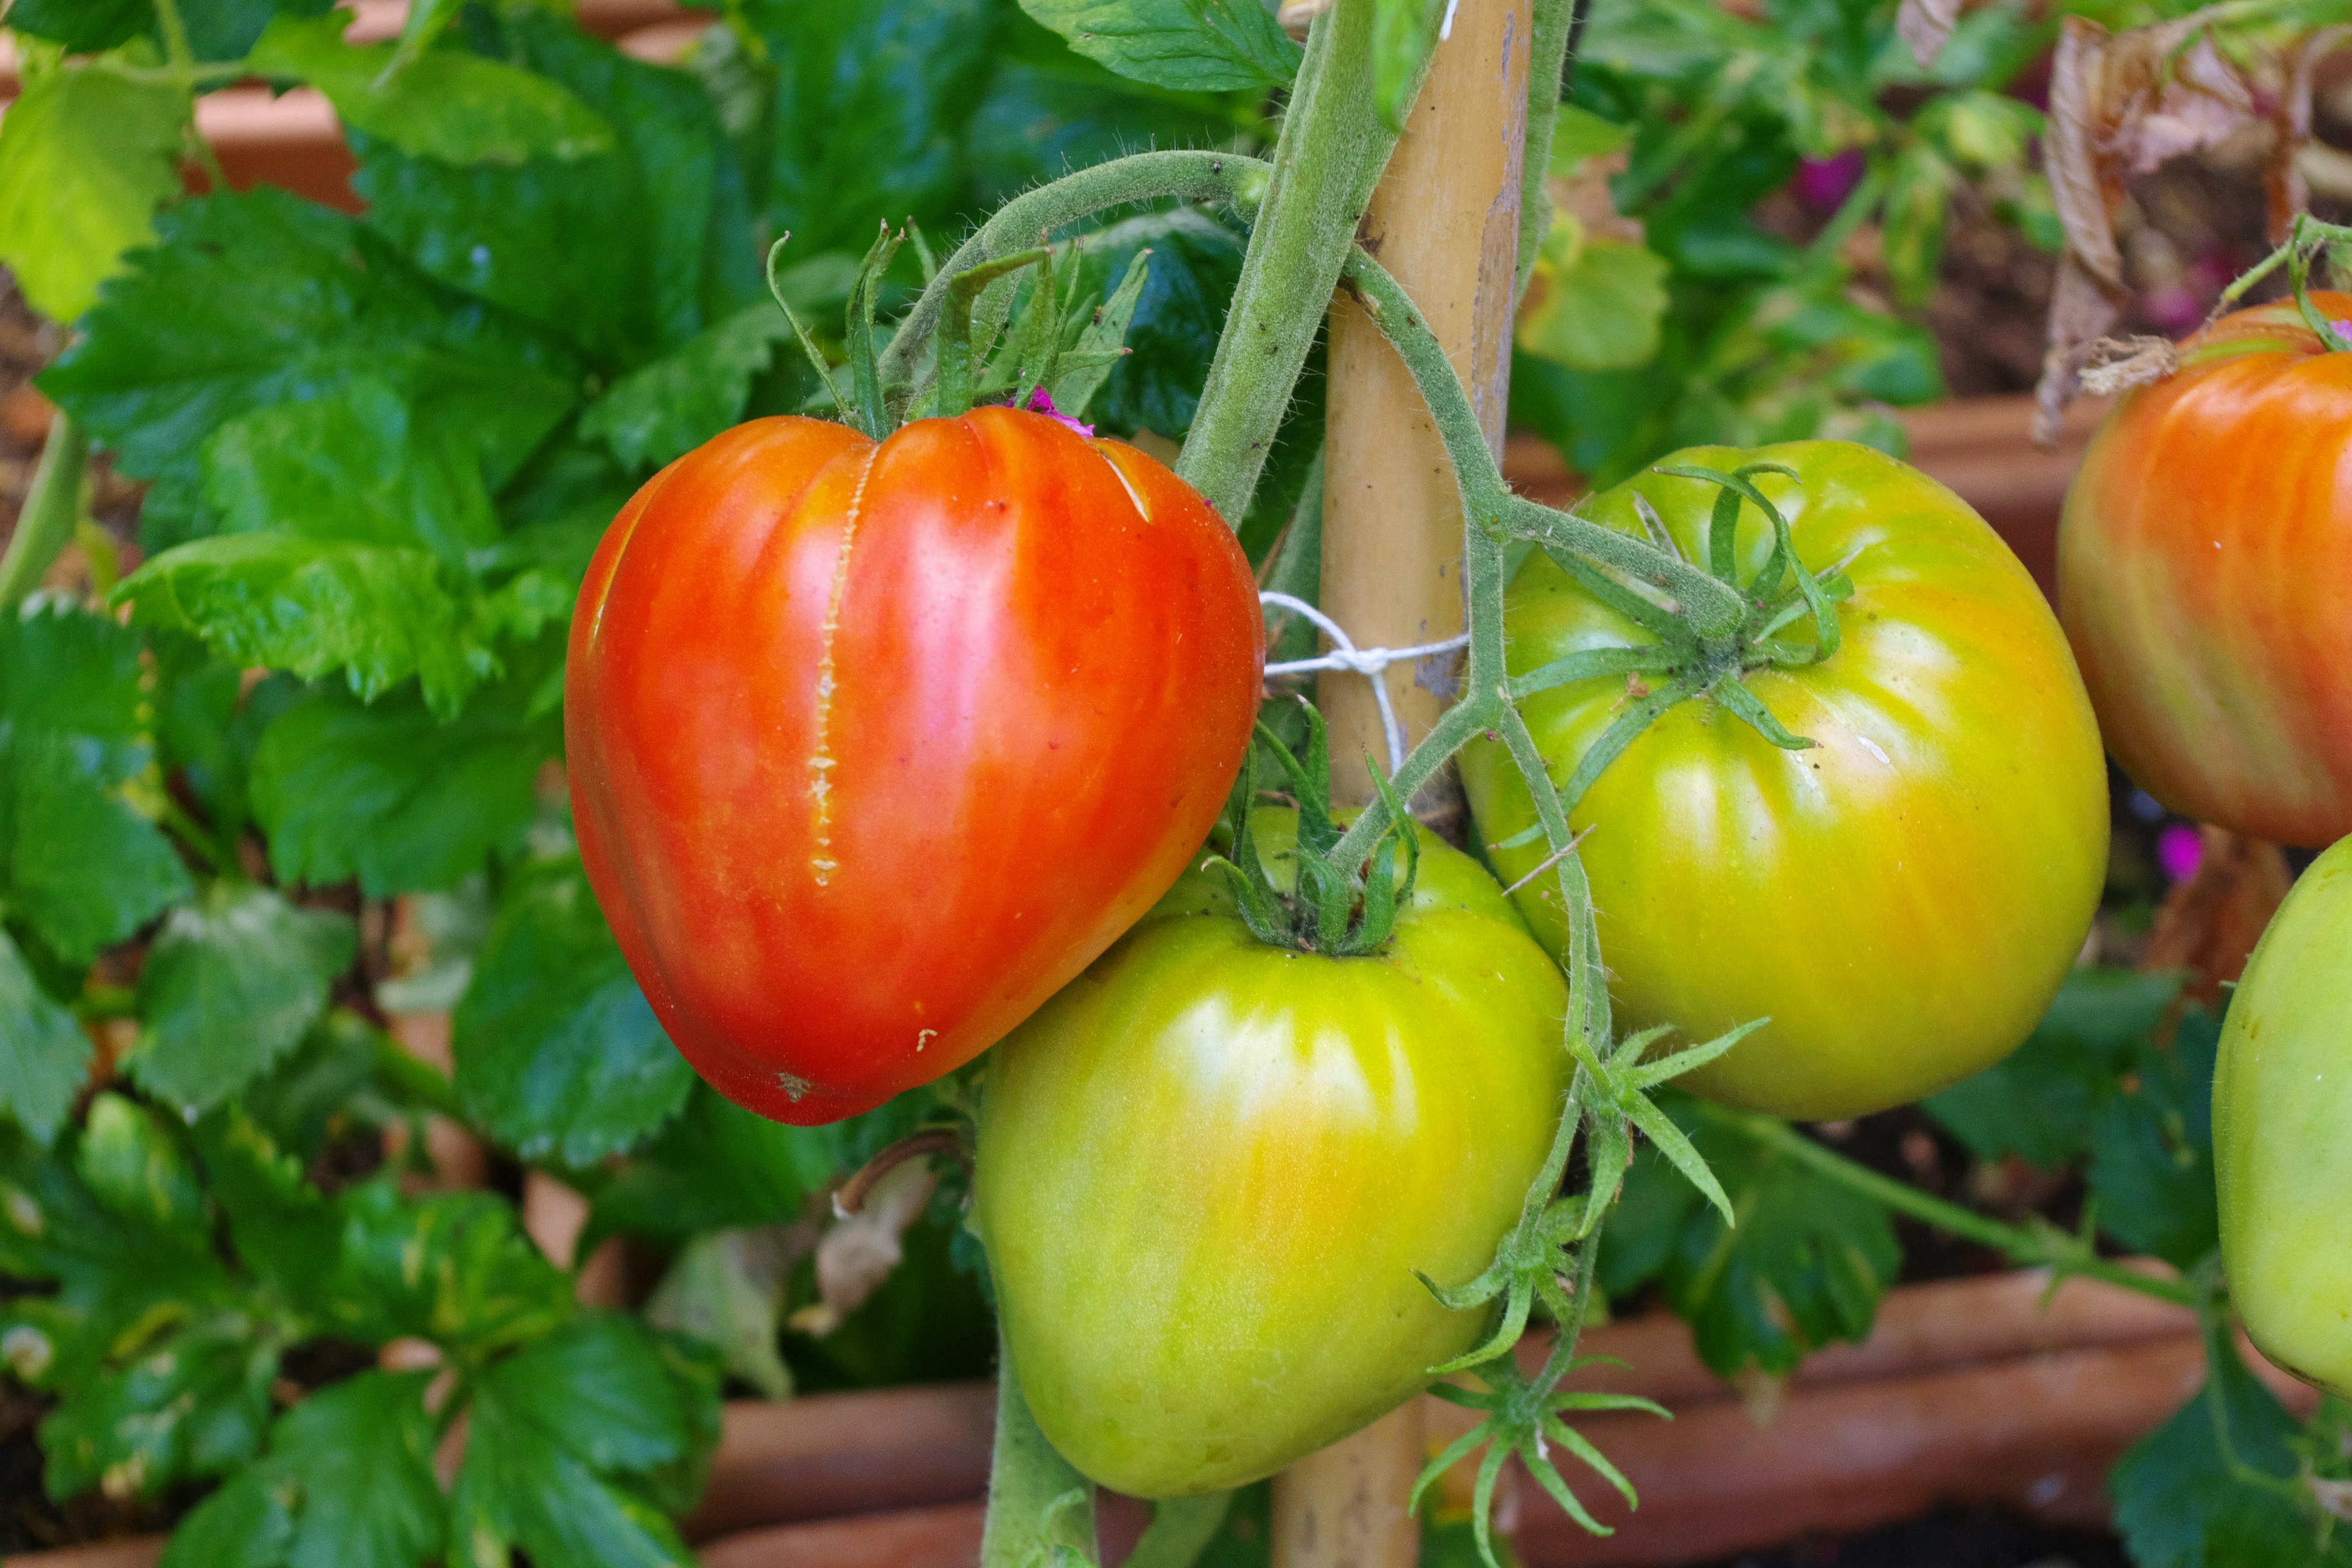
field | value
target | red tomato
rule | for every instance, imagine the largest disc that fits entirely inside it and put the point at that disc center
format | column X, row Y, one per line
column 2205, row 578
column 873, row 747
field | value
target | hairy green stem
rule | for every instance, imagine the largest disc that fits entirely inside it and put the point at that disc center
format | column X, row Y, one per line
column 51, row 507
column 1036, row 1499
column 2067, row 1254
column 1181, row 1528
column 1190, row 176
column 1328, row 159
column 1554, row 20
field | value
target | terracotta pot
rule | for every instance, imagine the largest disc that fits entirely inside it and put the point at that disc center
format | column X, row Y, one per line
column 1966, row 1391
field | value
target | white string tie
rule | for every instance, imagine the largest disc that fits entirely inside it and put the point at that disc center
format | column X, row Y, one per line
column 1368, row 661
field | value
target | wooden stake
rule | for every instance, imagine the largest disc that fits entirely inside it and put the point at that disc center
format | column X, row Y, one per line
column 1445, row 222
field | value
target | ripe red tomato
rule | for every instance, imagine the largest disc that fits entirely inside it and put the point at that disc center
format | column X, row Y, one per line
column 2205, row 578
column 1209, row 1167
column 872, row 748
column 1901, row 899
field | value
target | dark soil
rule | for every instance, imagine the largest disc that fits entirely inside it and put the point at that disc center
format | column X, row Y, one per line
column 1948, row 1538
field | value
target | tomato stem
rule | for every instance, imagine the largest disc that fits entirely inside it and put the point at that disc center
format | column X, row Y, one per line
column 1038, row 1503
column 51, row 508
column 1329, row 156
column 1191, row 176
column 2030, row 1246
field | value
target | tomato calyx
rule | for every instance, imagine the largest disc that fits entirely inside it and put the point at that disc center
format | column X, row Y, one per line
column 1051, row 361
column 1329, row 907
column 2308, row 239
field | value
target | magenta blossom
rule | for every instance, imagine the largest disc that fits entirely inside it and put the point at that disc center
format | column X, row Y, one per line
column 1039, row 403
column 2179, row 851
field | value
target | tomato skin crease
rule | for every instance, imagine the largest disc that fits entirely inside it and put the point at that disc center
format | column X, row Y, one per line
column 1901, row 899
column 2205, row 578
column 872, row 748
column 1208, row 1167
column 2282, row 1131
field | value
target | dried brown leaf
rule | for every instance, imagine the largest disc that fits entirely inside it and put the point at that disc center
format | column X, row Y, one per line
column 1925, row 25
column 2112, row 365
column 2082, row 308
column 861, row 1249
column 2081, row 188
column 2208, row 924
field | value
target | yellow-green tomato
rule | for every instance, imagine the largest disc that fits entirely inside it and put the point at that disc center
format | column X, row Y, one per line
column 1902, row 899
column 1209, row 1167
column 2282, row 1131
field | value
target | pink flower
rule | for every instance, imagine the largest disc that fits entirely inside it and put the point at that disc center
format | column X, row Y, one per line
column 1039, row 403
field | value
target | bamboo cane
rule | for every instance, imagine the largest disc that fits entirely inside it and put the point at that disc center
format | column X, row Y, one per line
column 1445, row 221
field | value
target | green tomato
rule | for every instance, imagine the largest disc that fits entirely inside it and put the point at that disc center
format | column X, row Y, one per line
column 1901, row 899
column 2282, row 1131
column 1208, row 1168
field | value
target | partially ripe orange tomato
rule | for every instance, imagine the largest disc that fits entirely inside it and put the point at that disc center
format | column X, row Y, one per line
column 2205, row 578
column 873, row 747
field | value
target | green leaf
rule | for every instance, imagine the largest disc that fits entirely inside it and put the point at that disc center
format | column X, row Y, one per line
column 1578, row 133
column 315, row 607
column 83, row 26
column 1919, row 200
column 455, row 1268
column 1601, row 309
column 1403, row 34
column 1191, row 46
column 86, row 156
column 1049, row 110
column 77, row 865
column 2193, row 1493
column 717, row 1166
column 391, row 794
column 232, row 984
column 253, row 299
column 871, row 106
column 217, row 29
column 2152, row 1148
column 558, row 1053
column 727, row 1289
column 2042, row 1102
column 1806, row 1264
column 565, row 1440
column 614, row 252
column 131, row 1162
column 282, row 1225
column 666, row 409
column 44, row 1055
column 195, row 1404
column 1195, row 263
column 356, row 466
column 446, row 104
column 348, row 1483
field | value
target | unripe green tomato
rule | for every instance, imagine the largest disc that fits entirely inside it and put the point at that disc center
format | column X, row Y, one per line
column 1208, row 1168
column 1901, row 899
column 2282, row 1131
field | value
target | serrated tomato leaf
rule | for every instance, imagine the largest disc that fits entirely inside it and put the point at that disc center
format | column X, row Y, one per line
column 2041, row 1101
column 2152, row 1166
column 44, row 1056
column 455, row 1268
column 194, row 1402
column 77, row 865
column 870, row 112
column 86, row 156
column 2181, row 1500
column 447, row 104
column 1191, row 46
column 558, row 1053
column 1806, row 1265
column 230, row 985
column 389, row 794
column 573, row 1440
column 259, row 299
column 516, row 236
column 717, row 1166
column 347, row 1483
